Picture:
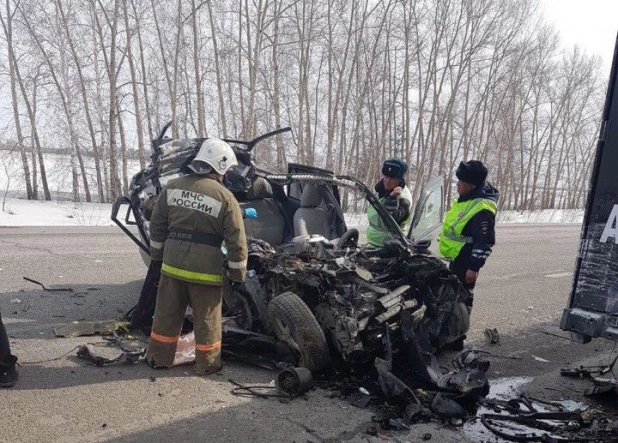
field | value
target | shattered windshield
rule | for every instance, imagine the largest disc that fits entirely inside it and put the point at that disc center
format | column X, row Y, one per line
column 429, row 212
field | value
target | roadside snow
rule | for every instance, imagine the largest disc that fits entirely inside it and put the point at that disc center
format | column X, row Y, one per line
column 19, row 212
column 544, row 216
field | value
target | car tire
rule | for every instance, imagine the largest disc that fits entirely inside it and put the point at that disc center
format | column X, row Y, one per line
column 294, row 323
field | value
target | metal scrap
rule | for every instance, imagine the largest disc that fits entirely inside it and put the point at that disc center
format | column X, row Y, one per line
column 530, row 420
column 589, row 371
column 48, row 289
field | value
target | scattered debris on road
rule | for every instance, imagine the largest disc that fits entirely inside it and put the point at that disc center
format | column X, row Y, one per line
column 530, row 420
column 492, row 336
column 80, row 328
column 294, row 381
column 48, row 289
column 589, row 371
column 113, row 350
column 512, row 415
column 602, row 386
column 286, row 389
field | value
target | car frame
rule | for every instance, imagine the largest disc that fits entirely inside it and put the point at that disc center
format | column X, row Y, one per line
column 319, row 320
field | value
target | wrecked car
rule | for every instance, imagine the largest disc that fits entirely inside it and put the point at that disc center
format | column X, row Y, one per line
column 310, row 283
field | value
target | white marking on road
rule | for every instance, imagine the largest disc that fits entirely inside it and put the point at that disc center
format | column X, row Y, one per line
column 559, row 275
column 506, row 276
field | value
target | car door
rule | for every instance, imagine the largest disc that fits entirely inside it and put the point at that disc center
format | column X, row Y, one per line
column 428, row 212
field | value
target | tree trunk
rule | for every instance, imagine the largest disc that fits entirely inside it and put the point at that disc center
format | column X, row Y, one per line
column 85, row 102
column 144, row 81
column 7, row 25
column 218, row 76
column 138, row 115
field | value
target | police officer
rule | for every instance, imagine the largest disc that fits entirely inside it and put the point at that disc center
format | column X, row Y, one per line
column 395, row 196
column 192, row 217
column 468, row 231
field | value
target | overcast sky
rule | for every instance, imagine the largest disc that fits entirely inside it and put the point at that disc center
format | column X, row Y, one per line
column 591, row 24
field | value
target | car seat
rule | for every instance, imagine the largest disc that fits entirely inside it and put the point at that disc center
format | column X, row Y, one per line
column 310, row 218
column 270, row 223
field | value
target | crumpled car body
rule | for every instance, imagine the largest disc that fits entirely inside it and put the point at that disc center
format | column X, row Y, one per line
column 324, row 297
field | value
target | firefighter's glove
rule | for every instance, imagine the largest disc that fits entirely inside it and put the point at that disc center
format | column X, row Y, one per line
column 249, row 213
column 236, row 285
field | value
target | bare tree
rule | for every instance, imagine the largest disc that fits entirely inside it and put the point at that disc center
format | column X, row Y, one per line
column 7, row 26
column 85, row 103
column 134, row 82
column 431, row 81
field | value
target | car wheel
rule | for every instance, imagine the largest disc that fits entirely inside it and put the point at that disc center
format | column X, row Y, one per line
column 294, row 323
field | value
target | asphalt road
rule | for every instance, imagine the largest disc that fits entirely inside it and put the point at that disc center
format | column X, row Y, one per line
column 521, row 292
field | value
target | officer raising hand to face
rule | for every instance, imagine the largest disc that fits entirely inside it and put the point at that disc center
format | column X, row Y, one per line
column 396, row 198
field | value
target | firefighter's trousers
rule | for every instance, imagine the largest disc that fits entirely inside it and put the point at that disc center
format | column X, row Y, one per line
column 173, row 298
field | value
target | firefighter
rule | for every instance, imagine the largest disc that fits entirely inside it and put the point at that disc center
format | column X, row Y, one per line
column 192, row 217
column 395, row 196
column 8, row 373
column 468, row 234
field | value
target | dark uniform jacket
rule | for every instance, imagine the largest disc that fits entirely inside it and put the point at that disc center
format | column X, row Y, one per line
column 192, row 217
column 481, row 228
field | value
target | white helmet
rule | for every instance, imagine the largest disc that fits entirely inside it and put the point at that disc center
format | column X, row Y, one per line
column 216, row 154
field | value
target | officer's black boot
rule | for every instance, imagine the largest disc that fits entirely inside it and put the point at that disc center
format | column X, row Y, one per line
column 8, row 373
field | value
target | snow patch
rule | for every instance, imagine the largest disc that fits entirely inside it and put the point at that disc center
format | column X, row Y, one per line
column 544, row 216
column 21, row 212
column 18, row 212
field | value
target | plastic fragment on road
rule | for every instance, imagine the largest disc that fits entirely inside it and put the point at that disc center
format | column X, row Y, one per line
column 185, row 350
column 81, row 328
column 543, row 360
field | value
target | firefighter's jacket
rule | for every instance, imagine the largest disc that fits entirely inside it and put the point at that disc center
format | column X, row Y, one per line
column 193, row 216
column 468, row 233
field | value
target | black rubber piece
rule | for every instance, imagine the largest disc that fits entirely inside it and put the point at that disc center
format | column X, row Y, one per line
column 349, row 239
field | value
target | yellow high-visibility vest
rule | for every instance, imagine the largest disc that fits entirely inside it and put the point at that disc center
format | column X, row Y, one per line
column 451, row 240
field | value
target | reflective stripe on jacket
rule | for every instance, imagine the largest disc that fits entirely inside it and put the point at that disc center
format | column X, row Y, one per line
column 377, row 232
column 192, row 217
column 451, row 240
